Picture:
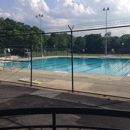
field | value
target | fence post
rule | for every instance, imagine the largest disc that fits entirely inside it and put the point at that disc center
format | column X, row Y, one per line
column 31, row 59
column 54, row 121
column 72, row 57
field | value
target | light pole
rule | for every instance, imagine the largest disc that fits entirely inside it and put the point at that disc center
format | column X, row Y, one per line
column 106, row 30
column 40, row 16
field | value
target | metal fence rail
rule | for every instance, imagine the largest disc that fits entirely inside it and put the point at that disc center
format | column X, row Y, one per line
column 62, row 110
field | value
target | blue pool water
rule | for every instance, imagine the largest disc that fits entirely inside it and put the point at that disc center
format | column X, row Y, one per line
column 82, row 65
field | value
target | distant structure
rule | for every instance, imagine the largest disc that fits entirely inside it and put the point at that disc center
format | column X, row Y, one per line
column 17, row 50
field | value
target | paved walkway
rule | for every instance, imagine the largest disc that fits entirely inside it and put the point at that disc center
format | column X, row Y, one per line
column 85, row 83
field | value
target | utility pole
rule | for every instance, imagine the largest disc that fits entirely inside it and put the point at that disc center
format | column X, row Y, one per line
column 40, row 16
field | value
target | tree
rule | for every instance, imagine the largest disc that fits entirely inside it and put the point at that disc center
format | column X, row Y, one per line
column 108, row 34
column 62, row 40
column 52, row 41
column 17, row 33
column 79, row 44
column 126, row 40
column 114, row 43
column 94, row 43
column 36, row 43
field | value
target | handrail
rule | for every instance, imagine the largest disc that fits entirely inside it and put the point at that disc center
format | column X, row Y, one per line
column 63, row 110
column 66, row 110
column 57, row 126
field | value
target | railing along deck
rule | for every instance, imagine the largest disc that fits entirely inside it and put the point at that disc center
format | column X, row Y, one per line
column 62, row 110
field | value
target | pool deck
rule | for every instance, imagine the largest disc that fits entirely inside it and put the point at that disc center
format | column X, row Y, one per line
column 83, row 83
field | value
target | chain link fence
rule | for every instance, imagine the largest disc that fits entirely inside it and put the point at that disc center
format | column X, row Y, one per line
column 88, row 61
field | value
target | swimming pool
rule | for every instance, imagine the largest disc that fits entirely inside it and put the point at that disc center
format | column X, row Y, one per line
column 82, row 65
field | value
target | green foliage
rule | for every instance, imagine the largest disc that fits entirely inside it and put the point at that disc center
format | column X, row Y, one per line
column 52, row 41
column 94, row 43
column 79, row 44
column 18, row 33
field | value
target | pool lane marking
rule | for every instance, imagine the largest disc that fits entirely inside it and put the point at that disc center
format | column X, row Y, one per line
column 78, row 67
column 93, row 68
column 64, row 64
column 84, row 66
column 57, row 64
column 51, row 63
column 36, row 66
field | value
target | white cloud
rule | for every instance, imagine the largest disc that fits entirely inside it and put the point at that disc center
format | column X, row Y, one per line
column 67, row 12
column 70, row 8
column 31, row 5
column 97, row 0
column 123, row 6
column 7, row 14
column 4, row 14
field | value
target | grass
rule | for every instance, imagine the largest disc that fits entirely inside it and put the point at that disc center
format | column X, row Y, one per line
column 65, row 53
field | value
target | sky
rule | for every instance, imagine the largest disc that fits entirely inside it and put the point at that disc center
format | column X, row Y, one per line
column 60, row 13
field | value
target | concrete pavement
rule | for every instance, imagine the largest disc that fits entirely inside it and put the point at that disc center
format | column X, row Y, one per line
column 19, row 96
column 84, row 83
